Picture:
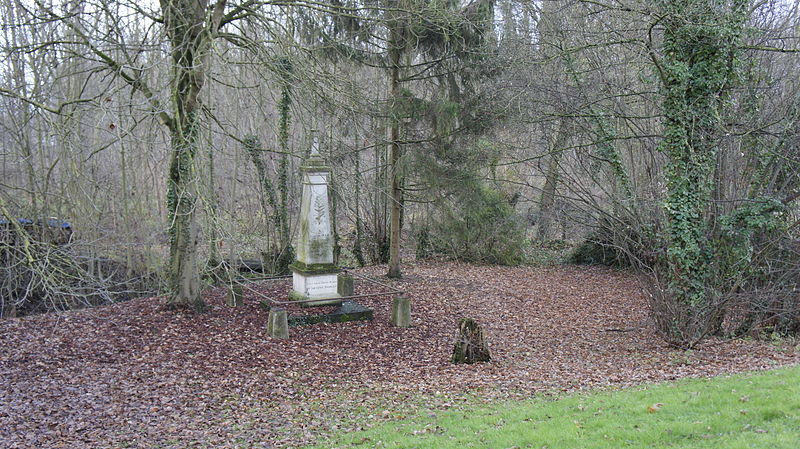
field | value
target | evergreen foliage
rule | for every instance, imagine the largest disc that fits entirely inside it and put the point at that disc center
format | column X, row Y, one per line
column 477, row 224
column 596, row 251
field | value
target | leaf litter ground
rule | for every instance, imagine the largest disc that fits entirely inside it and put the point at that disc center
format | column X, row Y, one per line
column 135, row 375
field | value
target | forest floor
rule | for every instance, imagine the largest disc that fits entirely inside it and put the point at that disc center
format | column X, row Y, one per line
column 135, row 375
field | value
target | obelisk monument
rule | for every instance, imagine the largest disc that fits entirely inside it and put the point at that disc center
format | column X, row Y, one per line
column 314, row 276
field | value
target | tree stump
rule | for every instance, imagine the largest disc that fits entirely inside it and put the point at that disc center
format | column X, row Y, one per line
column 470, row 346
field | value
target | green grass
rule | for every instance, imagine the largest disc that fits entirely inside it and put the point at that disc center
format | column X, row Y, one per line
column 744, row 411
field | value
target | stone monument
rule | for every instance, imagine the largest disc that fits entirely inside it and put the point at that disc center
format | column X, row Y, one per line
column 314, row 276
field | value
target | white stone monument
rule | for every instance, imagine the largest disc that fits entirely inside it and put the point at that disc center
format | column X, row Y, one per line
column 314, row 276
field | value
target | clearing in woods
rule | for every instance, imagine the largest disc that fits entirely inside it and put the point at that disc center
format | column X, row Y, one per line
column 134, row 375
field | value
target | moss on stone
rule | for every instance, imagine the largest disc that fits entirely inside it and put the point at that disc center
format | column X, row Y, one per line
column 235, row 297
column 322, row 302
column 314, row 164
column 345, row 285
column 314, row 268
column 348, row 311
column 296, row 296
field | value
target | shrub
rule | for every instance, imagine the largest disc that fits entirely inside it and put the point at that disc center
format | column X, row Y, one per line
column 478, row 225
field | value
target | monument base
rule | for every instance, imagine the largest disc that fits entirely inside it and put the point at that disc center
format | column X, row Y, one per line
column 348, row 311
column 310, row 284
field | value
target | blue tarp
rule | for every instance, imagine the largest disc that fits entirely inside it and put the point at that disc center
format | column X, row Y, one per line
column 56, row 223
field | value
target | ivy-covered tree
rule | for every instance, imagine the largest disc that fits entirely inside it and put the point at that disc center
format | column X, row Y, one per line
column 698, row 64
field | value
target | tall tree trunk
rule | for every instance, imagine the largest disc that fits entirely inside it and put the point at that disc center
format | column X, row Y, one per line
column 547, row 200
column 214, row 261
column 286, row 252
column 190, row 32
column 334, row 199
column 396, row 205
column 396, row 44
column 379, row 245
column 285, row 120
column 357, row 249
column 20, row 74
column 699, row 44
column 184, row 276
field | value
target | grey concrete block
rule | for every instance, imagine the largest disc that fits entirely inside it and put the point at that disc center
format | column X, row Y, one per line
column 235, row 296
column 278, row 324
column 345, row 285
column 401, row 311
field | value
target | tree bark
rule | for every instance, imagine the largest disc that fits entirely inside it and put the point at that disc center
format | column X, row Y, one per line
column 695, row 74
column 283, row 170
column 547, row 199
column 357, row 249
column 470, row 346
column 190, row 33
column 396, row 199
column 392, row 136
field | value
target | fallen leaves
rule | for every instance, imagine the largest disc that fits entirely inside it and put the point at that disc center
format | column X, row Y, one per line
column 134, row 375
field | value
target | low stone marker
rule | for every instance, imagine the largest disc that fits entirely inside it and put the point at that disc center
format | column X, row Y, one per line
column 235, row 296
column 345, row 285
column 278, row 324
column 348, row 311
column 470, row 346
column 401, row 311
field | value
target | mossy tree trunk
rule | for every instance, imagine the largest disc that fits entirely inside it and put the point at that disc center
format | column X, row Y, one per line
column 277, row 256
column 699, row 58
column 284, row 125
column 396, row 49
column 358, row 252
column 214, row 265
column 379, row 244
column 190, row 26
column 548, row 197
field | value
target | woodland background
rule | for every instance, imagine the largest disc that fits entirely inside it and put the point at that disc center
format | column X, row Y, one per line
column 660, row 136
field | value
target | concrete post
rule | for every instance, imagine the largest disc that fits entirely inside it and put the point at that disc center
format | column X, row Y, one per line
column 235, row 296
column 401, row 311
column 345, row 285
column 278, row 324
